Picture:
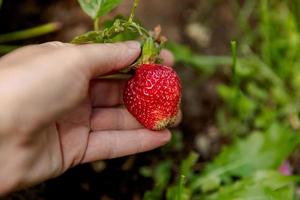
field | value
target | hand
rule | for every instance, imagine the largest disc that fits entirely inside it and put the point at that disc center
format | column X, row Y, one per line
column 55, row 115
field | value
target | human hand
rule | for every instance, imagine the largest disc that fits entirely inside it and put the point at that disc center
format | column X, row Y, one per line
column 55, row 114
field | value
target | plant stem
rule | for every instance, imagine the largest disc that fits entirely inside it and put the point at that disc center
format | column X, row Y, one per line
column 96, row 24
column 265, row 31
column 180, row 187
column 135, row 5
column 234, row 60
column 30, row 33
column 236, row 81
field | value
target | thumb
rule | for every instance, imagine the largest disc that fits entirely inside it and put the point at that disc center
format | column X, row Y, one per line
column 100, row 59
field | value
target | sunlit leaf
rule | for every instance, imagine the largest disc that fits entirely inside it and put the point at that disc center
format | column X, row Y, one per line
column 256, row 152
column 98, row 8
column 264, row 185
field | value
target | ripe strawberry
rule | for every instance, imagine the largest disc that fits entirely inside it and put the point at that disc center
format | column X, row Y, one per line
column 153, row 96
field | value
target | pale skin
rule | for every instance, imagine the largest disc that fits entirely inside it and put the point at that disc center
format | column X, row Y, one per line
column 55, row 113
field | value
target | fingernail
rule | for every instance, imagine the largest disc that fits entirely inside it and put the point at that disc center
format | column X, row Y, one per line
column 134, row 45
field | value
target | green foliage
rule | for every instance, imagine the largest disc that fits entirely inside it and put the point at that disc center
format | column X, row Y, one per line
column 179, row 191
column 205, row 64
column 268, row 81
column 263, row 185
column 25, row 34
column 98, row 8
column 260, row 110
column 129, row 34
column 118, row 30
column 259, row 151
column 243, row 170
column 29, row 33
column 161, row 176
column 188, row 163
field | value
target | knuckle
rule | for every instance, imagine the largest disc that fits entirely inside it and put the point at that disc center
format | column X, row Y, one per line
column 55, row 44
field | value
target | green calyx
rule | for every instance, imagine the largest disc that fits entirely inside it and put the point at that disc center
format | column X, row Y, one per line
column 150, row 51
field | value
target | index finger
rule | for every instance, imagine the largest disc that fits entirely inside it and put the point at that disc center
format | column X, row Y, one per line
column 100, row 59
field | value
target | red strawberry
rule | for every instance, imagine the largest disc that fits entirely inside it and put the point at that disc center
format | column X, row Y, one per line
column 153, row 96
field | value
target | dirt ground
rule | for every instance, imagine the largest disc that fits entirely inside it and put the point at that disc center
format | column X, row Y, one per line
column 119, row 178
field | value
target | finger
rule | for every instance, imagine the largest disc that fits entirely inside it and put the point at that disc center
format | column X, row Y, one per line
column 118, row 119
column 113, row 144
column 24, row 54
column 31, row 51
column 113, row 119
column 113, row 89
column 105, row 93
column 101, row 59
column 167, row 57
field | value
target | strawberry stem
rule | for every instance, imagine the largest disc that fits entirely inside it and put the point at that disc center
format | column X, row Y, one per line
column 96, row 24
column 135, row 5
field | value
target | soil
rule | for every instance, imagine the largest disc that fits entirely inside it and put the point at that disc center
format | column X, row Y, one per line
column 120, row 178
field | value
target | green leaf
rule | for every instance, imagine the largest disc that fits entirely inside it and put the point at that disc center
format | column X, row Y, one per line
column 98, row 8
column 207, row 64
column 118, row 30
column 126, row 35
column 264, row 185
column 256, row 152
column 180, row 188
column 173, row 193
column 188, row 163
column 179, row 191
column 30, row 32
column 161, row 175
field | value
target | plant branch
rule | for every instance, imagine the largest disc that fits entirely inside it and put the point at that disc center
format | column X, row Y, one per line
column 135, row 5
column 30, row 33
column 96, row 24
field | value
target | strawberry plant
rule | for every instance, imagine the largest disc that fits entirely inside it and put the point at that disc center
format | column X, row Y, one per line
column 153, row 94
column 260, row 112
column 247, row 168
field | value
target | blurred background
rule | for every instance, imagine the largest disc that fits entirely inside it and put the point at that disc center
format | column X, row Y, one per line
column 239, row 138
